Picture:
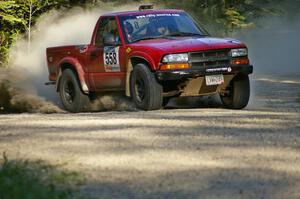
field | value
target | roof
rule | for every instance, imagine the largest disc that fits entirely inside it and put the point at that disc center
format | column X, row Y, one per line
column 137, row 12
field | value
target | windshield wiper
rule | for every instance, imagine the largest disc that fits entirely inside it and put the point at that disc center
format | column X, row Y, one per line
column 175, row 34
column 182, row 34
column 146, row 38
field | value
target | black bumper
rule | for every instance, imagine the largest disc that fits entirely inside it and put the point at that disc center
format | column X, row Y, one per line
column 192, row 73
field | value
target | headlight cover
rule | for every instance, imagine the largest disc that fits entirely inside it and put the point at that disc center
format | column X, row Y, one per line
column 176, row 58
column 239, row 52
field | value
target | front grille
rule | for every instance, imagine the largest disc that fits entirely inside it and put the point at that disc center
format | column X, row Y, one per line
column 204, row 59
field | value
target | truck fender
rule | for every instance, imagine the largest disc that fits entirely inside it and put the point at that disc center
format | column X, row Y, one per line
column 130, row 68
column 145, row 57
column 77, row 67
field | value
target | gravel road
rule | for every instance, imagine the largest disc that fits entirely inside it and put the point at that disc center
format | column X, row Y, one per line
column 174, row 153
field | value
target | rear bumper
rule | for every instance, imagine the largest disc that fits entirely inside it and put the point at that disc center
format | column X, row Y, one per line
column 182, row 74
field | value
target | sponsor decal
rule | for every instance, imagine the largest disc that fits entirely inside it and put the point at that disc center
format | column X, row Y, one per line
column 82, row 48
column 223, row 69
column 158, row 15
column 181, row 72
column 111, row 59
column 128, row 50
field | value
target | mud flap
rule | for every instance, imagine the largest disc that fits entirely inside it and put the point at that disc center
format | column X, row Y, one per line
column 58, row 80
column 128, row 72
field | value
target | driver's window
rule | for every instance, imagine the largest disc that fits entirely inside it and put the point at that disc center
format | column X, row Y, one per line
column 107, row 26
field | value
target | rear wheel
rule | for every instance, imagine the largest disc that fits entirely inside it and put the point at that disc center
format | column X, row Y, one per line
column 146, row 92
column 73, row 99
column 237, row 93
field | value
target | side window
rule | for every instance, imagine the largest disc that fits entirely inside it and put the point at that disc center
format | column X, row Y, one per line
column 107, row 26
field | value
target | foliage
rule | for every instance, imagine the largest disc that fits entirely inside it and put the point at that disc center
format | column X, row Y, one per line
column 8, row 22
column 17, row 16
column 224, row 16
column 25, row 179
column 219, row 16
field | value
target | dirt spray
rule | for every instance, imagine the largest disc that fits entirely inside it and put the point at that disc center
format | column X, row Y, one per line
column 23, row 86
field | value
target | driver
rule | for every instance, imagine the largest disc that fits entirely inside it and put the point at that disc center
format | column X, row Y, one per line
column 152, row 30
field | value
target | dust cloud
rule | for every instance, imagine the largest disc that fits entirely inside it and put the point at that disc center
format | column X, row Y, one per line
column 23, row 86
column 274, row 44
column 17, row 97
column 274, row 52
column 112, row 101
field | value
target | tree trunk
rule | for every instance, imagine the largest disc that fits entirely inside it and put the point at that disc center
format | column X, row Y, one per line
column 29, row 27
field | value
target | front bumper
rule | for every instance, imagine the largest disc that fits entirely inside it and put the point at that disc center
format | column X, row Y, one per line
column 191, row 73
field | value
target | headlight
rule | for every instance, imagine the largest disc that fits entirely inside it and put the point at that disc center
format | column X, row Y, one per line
column 240, row 52
column 176, row 58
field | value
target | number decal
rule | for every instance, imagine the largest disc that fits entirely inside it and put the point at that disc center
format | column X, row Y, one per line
column 111, row 59
column 114, row 58
column 106, row 60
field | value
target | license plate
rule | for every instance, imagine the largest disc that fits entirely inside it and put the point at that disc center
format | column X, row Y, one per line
column 214, row 80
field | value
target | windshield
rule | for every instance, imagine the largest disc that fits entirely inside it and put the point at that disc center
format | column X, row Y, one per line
column 158, row 25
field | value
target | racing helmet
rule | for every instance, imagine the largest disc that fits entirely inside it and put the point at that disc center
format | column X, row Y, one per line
column 128, row 28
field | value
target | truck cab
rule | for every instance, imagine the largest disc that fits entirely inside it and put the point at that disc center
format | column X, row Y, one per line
column 151, row 56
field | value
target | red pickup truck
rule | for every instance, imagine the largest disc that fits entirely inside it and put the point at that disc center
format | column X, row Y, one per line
column 151, row 56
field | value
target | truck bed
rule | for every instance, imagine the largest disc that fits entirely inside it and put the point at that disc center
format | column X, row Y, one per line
column 55, row 55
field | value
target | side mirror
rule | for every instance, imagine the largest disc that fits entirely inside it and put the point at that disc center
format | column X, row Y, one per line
column 110, row 40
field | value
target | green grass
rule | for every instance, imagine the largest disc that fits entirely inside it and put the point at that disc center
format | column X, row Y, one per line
column 36, row 180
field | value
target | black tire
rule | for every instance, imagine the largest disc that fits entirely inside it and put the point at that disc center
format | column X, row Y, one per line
column 72, row 97
column 145, row 91
column 237, row 93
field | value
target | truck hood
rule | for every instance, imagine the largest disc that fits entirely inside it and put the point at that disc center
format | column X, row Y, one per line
column 188, row 44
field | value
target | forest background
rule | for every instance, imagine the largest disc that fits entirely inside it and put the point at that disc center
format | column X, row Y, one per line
column 220, row 17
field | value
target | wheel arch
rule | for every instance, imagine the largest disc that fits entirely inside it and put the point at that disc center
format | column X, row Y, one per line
column 76, row 67
column 133, row 61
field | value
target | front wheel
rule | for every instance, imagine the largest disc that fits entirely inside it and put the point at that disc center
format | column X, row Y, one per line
column 237, row 93
column 73, row 99
column 146, row 92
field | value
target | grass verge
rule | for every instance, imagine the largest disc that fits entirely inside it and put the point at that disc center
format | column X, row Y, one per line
column 36, row 180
